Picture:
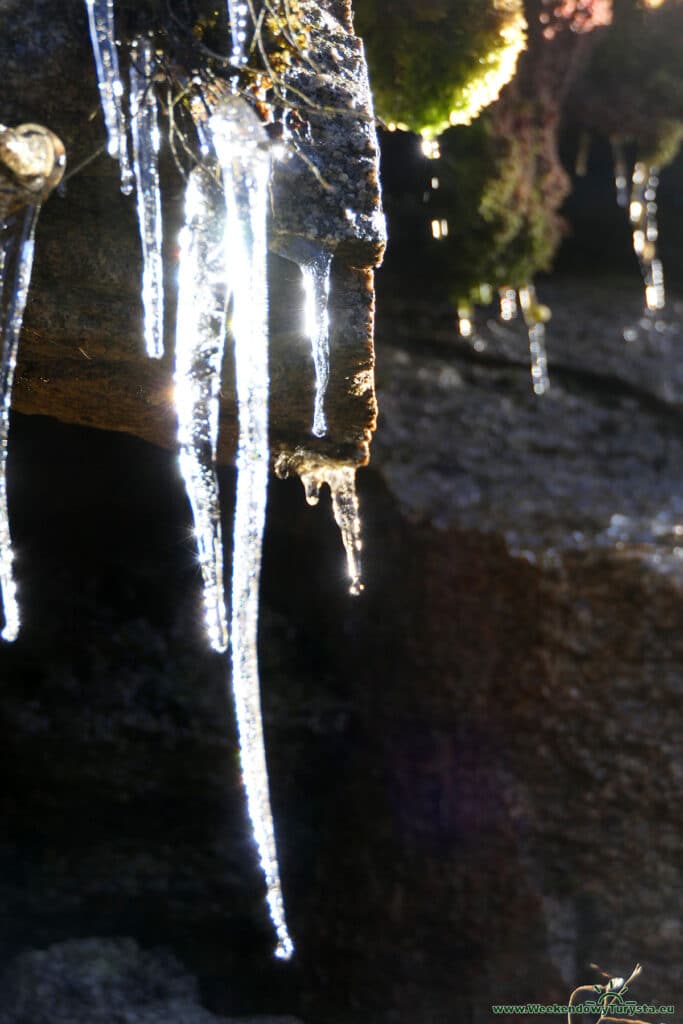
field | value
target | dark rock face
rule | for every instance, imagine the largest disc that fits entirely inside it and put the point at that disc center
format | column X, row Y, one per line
column 104, row 981
column 95, row 980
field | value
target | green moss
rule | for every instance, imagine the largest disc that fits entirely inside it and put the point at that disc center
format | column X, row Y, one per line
column 433, row 62
column 501, row 187
column 633, row 87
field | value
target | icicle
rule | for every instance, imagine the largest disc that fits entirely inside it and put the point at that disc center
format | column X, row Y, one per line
column 32, row 162
column 539, row 360
column 16, row 261
column 439, row 228
column 467, row 327
column 238, row 12
column 314, row 471
column 582, row 155
column 103, row 39
column 145, row 132
column 342, row 484
column 643, row 217
column 200, row 339
column 485, row 294
column 430, row 147
column 620, row 173
column 316, row 280
column 534, row 317
column 508, row 304
column 315, row 263
column 465, row 321
column 241, row 146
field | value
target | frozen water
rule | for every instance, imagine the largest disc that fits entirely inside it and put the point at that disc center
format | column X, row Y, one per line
column 316, row 279
column 200, row 341
column 16, row 262
column 103, row 39
column 145, row 133
column 241, row 145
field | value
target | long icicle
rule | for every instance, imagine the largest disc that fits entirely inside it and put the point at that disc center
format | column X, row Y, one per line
column 620, row 172
column 316, row 280
column 241, row 146
column 16, row 262
column 103, row 39
column 238, row 13
column 508, row 304
column 532, row 312
column 145, row 133
column 200, row 341
column 643, row 217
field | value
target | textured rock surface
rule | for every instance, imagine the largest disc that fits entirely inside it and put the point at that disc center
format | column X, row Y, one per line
column 81, row 357
column 92, row 980
column 104, row 981
column 595, row 463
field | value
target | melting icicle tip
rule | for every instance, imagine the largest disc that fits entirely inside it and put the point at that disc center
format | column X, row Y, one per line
column 314, row 471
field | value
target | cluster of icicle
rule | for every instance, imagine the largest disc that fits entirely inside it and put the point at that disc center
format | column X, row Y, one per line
column 223, row 250
column 534, row 316
column 34, row 159
column 641, row 203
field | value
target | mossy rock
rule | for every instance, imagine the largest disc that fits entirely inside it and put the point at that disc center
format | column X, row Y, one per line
column 434, row 63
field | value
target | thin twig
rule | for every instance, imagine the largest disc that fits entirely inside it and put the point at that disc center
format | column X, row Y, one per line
column 83, row 164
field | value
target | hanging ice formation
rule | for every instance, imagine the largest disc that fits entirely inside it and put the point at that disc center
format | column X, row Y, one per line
column 145, row 134
column 238, row 13
column 534, row 317
column 465, row 320
column 342, row 484
column 620, row 173
column 32, row 163
column 222, row 265
column 341, row 480
column 348, row 227
column 223, row 257
column 241, row 146
column 315, row 263
column 467, row 326
column 316, row 280
column 103, row 39
column 508, row 304
column 200, row 334
column 144, row 175
column 643, row 217
column 16, row 261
